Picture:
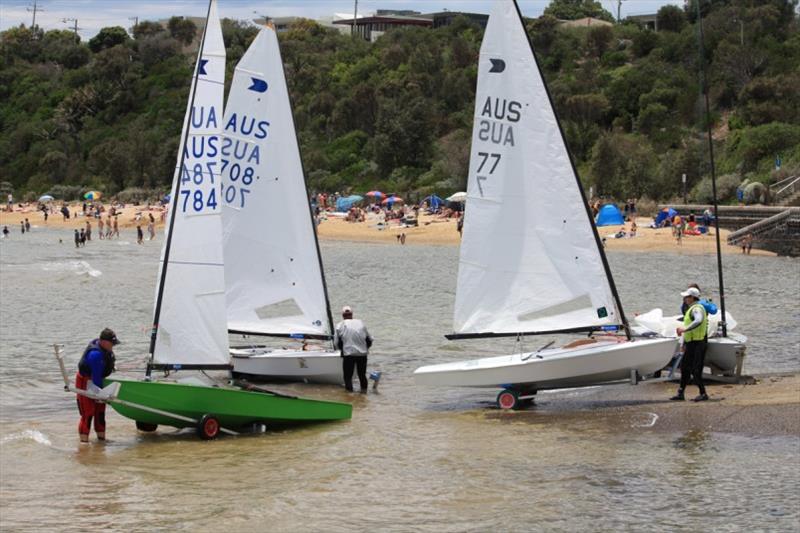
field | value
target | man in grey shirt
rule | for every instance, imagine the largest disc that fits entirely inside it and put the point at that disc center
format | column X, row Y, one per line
column 354, row 341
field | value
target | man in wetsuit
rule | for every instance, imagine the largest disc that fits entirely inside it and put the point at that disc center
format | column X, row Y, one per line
column 694, row 332
column 354, row 342
column 96, row 363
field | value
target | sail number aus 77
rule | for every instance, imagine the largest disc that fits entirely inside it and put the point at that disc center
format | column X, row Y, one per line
column 489, row 161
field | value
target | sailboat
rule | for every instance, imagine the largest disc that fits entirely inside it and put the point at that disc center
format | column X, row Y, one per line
column 189, row 331
column 531, row 261
column 725, row 351
column 274, row 279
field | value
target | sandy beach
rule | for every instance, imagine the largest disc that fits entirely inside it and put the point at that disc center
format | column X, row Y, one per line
column 432, row 230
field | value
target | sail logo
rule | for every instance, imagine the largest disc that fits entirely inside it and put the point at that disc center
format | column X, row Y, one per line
column 498, row 65
column 202, row 68
column 259, row 86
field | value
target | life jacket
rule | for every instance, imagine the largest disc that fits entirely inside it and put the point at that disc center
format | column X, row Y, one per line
column 700, row 332
column 108, row 360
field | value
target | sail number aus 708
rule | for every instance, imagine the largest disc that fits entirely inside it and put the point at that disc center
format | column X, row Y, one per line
column 493, row 160
column 239, row 176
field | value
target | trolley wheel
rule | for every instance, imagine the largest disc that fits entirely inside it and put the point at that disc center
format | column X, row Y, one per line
column 508, row 399
column 208, row 427
column 147, row 427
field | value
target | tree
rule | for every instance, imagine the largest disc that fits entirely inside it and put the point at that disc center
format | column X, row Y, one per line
column 147, row 28
column 577, row 9
column 598, row 39
column 670, row 18
column 108, row 38
column 182, row 29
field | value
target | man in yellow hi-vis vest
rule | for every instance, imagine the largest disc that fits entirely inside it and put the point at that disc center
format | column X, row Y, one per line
column 695, row 333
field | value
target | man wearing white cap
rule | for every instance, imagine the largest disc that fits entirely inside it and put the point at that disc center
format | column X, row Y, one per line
column 354, row 342
column 694, row 332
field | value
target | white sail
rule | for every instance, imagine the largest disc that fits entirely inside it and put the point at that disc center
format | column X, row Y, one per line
column 274, row 280
column 529, row 257
column 191, row 325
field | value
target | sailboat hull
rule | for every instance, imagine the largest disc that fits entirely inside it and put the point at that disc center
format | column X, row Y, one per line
column 288, row 365
column 233, row 407
column 600, row 362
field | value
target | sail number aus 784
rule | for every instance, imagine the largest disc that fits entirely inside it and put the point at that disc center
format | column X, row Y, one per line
column 492, row 160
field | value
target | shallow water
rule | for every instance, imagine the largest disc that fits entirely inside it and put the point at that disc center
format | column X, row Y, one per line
column 412, row 458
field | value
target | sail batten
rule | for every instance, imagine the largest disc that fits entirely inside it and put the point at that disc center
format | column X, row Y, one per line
column 271, row 256
column 530, row 260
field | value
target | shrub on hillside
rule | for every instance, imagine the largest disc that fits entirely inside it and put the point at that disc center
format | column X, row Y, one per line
column 726, row 189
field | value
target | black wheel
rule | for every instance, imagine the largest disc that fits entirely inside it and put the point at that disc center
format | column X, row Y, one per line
column 208, row 427
column 147, row 427
column 508, row 399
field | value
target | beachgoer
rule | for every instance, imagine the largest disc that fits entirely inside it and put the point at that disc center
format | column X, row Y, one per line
column 694, row 333
column 139, row 234
column 5, row 231
column 151, row 228
column 402, row 238
column 22, row 227
column 65, row 212
column 83, row 237
column 747, row 243
column 460, row 224
column 354, row 342
column 88, row 231
column 96, row 363
column 116, row 227
column 10, row 204
column 100, row 227
column 633, row 228
column 27, row 225
column 77, row 239
column 109, row 227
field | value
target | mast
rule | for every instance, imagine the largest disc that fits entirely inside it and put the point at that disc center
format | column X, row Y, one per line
column 599, row 243
column 174, row 202
column 704, row 88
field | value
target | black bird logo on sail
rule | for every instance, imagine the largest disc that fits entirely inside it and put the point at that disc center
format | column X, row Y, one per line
column 498, row 65
column 259, row 86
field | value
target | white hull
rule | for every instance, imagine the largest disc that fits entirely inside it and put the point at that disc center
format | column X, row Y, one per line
column 600, row 362
column 722, row 353
column 310, row 366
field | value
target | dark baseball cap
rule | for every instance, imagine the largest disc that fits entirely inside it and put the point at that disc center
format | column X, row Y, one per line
column 109, row 335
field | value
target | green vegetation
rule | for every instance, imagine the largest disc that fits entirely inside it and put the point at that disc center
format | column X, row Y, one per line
column 396, row 115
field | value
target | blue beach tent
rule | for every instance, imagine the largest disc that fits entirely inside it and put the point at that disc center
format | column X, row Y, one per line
column 609, row 215
column 344, row 204
column 434, row 201
column 666, row 213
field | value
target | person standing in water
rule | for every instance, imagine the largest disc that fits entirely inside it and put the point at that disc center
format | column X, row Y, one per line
column 97, row 363
column 27, row 225
column 139, row 234
column 354, row 342
column 694, row 332
column 22, row 227
column 5, row 231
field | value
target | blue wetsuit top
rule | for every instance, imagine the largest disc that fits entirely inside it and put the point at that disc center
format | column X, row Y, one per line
column 96, row 363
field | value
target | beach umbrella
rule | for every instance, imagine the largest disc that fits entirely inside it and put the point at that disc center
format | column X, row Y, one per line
column 166, row 199
column 390, row 201
column 458, row 197
column 375, row 194
column 93, row 195
column 46, row 198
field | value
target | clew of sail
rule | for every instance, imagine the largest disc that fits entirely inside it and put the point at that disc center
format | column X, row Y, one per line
column 190, row 299
column 274, row 278
column 530, row 260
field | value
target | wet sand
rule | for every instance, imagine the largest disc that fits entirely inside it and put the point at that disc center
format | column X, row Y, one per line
column 769, row 405
column 432, row 230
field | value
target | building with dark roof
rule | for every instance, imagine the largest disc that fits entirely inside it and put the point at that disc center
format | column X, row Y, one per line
column 371, row 27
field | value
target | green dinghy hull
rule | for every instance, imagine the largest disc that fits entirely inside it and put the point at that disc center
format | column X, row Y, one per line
column 232, row 407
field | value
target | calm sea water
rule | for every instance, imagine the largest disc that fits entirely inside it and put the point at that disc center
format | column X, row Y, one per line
column 412, row 458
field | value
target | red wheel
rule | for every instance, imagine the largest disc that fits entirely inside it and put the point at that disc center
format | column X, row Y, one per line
column 507, row 399
column 208, row 427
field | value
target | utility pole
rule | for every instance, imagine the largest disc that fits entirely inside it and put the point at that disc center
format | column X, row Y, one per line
column 75, row 28
column 34, row 10
column 355, row 19
column 135, row 21
column 619, row 8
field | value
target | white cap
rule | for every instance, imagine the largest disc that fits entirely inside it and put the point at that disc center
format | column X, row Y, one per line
column 347, row 310
column 691, row 291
